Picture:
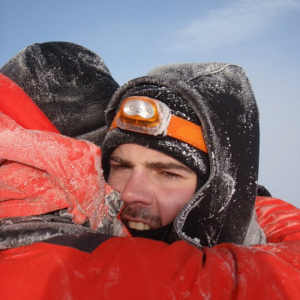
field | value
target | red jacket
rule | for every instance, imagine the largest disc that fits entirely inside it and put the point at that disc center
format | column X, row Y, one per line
column 95, row 266
column 136, row 268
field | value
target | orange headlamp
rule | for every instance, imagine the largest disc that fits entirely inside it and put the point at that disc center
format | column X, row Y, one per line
column 150, row 116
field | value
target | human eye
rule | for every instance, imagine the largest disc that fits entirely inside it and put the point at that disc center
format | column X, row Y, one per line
column 170, row 175
column 118, row 167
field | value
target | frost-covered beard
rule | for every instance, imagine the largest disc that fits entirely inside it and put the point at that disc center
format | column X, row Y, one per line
column 142, row 214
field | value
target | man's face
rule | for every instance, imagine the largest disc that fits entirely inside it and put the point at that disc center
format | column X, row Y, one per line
column 153, row 185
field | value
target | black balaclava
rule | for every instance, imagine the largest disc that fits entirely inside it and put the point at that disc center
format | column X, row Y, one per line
column 180, row 150
column 218, row 97
column 69, row 83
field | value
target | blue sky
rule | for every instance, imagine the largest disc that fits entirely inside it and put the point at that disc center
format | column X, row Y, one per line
column 134, row 36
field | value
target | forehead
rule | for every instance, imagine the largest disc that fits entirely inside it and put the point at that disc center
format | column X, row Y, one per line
column 134, row 152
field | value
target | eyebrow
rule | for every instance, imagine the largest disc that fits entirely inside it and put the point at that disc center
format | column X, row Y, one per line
column 168, row 166
column 119, row 160
column 153, row 165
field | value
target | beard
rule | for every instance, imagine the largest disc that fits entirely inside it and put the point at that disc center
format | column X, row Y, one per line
column 142, row 214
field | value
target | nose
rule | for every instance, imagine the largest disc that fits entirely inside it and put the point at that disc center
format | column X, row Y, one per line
column 137, row 189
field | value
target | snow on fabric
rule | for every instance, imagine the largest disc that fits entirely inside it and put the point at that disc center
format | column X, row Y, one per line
column 69, row 83
column 43, row 172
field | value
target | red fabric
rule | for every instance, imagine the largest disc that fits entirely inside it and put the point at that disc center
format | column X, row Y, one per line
column 135, row 268
column 15, row 103
column 44, row 172
column 279, row 220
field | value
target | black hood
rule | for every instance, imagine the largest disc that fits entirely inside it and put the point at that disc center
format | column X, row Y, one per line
column 221, row 97
column 69, row 83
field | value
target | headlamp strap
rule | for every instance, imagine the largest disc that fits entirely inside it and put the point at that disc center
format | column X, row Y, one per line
column 187, row 132
column 182, row 130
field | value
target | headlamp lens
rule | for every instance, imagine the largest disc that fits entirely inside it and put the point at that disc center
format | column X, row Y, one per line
column 139, row 112
column 144, row 115
column 140, row 108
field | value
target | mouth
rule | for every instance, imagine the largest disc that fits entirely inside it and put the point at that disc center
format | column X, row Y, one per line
column 138, row 225
column 139, row 218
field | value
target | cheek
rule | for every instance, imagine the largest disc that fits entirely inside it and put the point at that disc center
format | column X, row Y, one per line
column 115, row 182
column 171, row 202
column 110, row 180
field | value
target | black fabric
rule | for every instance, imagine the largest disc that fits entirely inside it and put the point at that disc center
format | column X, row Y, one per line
column 70, row 84
column 199, row 183
column 222, row 99
column 20, row 231
column 85, row 242
column 262, row 191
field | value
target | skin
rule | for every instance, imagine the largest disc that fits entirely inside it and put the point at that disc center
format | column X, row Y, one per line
column 153, row 186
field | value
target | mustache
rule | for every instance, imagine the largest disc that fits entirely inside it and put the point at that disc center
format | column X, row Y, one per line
column 142, row 214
